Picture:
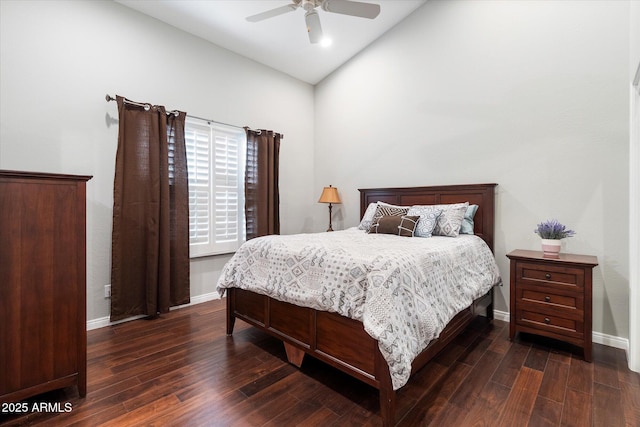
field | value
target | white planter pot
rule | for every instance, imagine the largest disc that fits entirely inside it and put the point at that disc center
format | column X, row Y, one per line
column 551, row 247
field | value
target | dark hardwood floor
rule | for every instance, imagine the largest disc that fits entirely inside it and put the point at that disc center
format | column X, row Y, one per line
column 181, row 370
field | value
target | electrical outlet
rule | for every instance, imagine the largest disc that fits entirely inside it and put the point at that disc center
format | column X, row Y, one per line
column 107, row 291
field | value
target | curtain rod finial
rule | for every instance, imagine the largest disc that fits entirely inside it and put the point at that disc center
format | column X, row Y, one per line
column 109, row 98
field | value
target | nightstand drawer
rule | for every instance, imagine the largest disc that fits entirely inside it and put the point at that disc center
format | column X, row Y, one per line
column 543, row 298
column 536, row 273
column 555, row 324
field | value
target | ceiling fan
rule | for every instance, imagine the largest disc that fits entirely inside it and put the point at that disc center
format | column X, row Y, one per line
column 344, row 7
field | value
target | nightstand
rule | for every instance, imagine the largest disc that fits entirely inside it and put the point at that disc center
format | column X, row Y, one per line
column 552, row 296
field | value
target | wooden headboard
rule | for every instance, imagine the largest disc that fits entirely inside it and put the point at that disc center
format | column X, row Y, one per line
column 482, row 195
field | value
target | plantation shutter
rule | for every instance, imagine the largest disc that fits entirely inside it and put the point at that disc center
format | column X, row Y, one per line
column 198, row 143
column 227, row 189
column 216, row 202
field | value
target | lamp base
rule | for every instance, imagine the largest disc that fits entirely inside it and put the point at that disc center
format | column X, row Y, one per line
column 330, row 228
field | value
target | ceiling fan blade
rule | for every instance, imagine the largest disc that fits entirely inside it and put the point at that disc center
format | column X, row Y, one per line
column 273, row 12
column 313, row 26
column 353, row 8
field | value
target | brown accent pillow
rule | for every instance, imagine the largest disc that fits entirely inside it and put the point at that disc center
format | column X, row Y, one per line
column 386, row 210
column 393, row 224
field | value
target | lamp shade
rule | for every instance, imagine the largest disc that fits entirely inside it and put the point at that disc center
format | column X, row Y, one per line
column 329, row 195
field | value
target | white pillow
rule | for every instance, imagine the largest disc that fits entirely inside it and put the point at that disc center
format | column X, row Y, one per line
column 368, row 216
column 428, row 219
column 450, row 220
column 393, row 206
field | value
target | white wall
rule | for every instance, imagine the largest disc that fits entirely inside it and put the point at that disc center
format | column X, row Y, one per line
column 634, row 190
column 531, row 95
column 60, row 58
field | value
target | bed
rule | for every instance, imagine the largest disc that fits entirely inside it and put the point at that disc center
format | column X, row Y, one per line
column 343, row 342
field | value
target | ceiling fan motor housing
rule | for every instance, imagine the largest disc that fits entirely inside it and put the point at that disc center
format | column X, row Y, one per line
column 309, row 5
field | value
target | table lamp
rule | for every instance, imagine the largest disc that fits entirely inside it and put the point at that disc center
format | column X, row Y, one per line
column 329, row 195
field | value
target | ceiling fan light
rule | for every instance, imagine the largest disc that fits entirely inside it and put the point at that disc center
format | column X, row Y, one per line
column 313, row 26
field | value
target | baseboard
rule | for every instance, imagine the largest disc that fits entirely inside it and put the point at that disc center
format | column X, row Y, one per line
column 198, row 299
column 501, row 315
column 596, row 337
column 611, row 341
column 104, row 321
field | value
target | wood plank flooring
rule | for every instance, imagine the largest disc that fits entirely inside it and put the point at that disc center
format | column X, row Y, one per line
column 181, row 370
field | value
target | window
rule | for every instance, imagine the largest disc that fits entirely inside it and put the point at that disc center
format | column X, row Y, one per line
column 215, row 162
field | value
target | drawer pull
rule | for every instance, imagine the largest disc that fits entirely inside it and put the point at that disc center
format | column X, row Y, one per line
column 547, row 320
column 547, row 298
column 548, row 276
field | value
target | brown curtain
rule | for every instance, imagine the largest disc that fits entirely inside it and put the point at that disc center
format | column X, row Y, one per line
column 150, row 239
column 262, row 199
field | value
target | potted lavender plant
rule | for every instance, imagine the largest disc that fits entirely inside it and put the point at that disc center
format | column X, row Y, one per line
column 551, row 232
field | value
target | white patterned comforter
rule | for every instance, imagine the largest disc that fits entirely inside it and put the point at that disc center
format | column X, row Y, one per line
column 404, row 290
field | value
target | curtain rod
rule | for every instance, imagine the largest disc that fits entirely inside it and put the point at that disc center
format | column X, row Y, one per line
column 147, row 106
column 213, row 121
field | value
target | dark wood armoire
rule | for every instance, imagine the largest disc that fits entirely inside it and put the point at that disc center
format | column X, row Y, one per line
column 43, row 336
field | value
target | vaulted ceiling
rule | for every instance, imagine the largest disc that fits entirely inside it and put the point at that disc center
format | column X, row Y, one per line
column 280, row 42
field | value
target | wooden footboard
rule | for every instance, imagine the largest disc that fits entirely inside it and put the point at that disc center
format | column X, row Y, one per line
column 339, row 341
column 334, row 339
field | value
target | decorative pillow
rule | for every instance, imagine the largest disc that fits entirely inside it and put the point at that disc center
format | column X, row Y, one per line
column 368, row 216
column 428, row 219
column 398, row 225
column 450, row 220
column 467, row 221
column 383, row 210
